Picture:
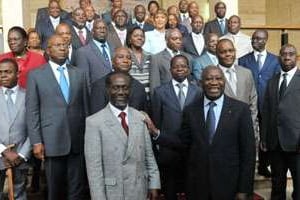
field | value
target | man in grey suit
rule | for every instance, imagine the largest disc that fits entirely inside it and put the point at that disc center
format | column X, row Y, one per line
column 208, row 57
column 13, row 129
column 160, row 63
column 219, row 24
column 95, row 57
column 119, row 158
column 239, row 80
column 57, row 104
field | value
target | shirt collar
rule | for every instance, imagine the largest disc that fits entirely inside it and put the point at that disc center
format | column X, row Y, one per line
column 14, row 89
column 218, row 101
column 263, row 53
column 171, row 51
column 185, row 82
column 219, row 19
column 224, row 69
column 54, row 19
column 116, row 111
column 55, row 65
column 289, row 73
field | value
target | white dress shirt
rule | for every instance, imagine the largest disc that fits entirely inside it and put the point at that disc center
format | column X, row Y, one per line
column 184, row 88
column 116, row 112
column 89, row 25
column 289, row 76
column 198, row 40
column 54, row 21
column 54, row 67
column 155, row 41
column 227, row 76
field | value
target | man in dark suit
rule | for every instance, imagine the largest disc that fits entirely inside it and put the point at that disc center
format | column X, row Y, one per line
column 13, row 130
column 219, row 24
column 193, row 43
column 280, row 124
column 90, row 17
column 139, row 15
column 184, row 17
column 45, row 28
column 168, row 102
column 80, row 34
column 160, row 63
column 43, row 13
column 95, row 57
column 263, row 65
column 57, row 104
column 64, row 31
column 121, row 62
column 118, row 29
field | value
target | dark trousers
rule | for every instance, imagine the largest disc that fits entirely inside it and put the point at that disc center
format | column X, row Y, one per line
column 263, row 157
column 65, row 177
column 281, row 162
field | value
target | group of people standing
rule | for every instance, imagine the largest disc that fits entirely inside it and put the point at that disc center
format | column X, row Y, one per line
column 139, row 108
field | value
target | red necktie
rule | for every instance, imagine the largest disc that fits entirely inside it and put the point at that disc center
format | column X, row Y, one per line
column 81, row 37
column 122, row 115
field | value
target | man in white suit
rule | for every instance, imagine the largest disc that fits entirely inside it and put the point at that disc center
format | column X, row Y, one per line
column 13, row 129
column 118, row 152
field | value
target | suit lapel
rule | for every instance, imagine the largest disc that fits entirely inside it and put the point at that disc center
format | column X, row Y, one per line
column 190, row 95
column 3, row 105
column 294, row 83
column 96, row 50
column 72, row 83
column 18, row 104
column 239, row 81
column 171, row 95
column 193, row 44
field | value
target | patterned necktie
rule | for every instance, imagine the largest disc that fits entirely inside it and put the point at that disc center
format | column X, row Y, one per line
column 211, row 121
column 63, row 83
column 222, row 25
column 181, row 96
column 259, row 61
column 122, row 115
column 231, row 80
column 105, row 55
column 81, row 37
column 283, row 86
column 10, row 104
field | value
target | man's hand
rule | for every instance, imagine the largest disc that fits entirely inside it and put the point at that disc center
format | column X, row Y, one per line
column 150, row 125
column 10, row 155
column 241, row 196
column 153, row 194
column 263, row 146
column 39, row 151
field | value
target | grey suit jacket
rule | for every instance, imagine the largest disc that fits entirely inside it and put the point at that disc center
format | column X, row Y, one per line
column 76, row 43
column 160, row 68
column 246, row 92
column 113, row 37
column 119, row 166
column 91, row 60
column 14, row 132
column 50, row 119
column 214, row 27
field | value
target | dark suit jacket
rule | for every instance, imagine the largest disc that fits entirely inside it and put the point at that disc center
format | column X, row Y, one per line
column 99, row 96
column 45, row 29
column 219, row 170
column 189, row 46
column 76, row 43
column 167, row 116
column 90, row 59
column 280, row 120
column 146, row 26
column 42, row 14
column 261, row 77
column 214, row 27
column 50, row 119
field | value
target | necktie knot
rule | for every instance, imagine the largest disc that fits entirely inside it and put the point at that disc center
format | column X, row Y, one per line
column 212, row 104
column 122, row 115
column 9, row 92
column 180, row 85
column 61, row 68
column 103, row 45
column 284, row 75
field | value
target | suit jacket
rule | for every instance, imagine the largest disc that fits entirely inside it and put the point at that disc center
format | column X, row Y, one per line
column 14, row 132
column 76, row 43
column 214, row 27
column 245, row 92
column 146, row 26
column 106, row 17
column 99, row 96
column 119, row 166
column 91, row 60
column 113, row 37
column 280, row 124
column 189, row 46
column 167, row 116
column 198, row 64
column 160, row 68
column 50, row 119
column 261, row 77
column 45, row 29
column 42, row 14
column 219, row 170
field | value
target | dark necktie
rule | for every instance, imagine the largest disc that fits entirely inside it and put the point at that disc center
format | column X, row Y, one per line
column 283, row 86
column 122, row 115
column 10, row 104
column 211, row 121
column 81, row 37
column 104, row 53
column 181, row 96
column 63, row 83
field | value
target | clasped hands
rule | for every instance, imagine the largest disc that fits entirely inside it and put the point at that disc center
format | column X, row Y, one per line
column 11, row 158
